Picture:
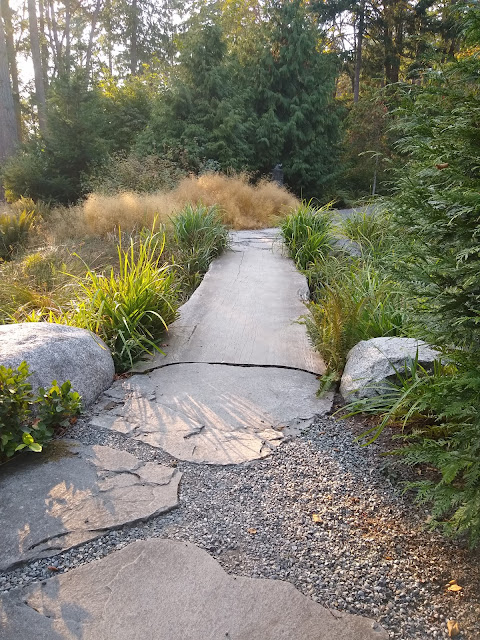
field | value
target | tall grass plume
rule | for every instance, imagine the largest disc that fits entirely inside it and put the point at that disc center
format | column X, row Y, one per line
column 241, row 204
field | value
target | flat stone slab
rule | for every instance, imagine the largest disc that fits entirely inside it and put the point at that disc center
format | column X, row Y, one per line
column 245, row 311
column 214, row 414
column 71, row 493
column 168, row 590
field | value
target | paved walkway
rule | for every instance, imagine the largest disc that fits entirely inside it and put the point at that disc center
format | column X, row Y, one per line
column 238, row 377
column 239, row 372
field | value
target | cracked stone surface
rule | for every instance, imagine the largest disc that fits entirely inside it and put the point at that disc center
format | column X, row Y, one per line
column 175, row 591
column 239, row 371
column 212, row 413
column 245, row 311
column 72, row 493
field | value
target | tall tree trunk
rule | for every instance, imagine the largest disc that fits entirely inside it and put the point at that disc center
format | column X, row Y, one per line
column 68, row 38
column 394, row 20
column 91, row 36
column 43, row 41
column 55, row 44
column 134, row 39
column 108, row 29
column 12, row 62
column 8, row 125
column 358, row 56
column 37, row 66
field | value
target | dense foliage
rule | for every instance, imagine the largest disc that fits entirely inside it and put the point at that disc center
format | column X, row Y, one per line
column 28, row 421
column 437, row 207
column 214, row 84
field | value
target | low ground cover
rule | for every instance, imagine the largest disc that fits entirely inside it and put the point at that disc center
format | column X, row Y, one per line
column 28, row 420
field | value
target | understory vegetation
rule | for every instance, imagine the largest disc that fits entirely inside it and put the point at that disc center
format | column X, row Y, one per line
column 353, row 297
column 414, row 270
column 28, row 420
column 126, row 287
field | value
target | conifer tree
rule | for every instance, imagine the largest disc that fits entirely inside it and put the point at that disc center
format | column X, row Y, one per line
column 298, row 123
column 202, row 117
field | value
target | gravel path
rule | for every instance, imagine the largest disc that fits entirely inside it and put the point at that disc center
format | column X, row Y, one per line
column 366, row 553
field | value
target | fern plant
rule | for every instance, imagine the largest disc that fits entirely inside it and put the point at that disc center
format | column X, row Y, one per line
column 438, row 414
column 436, row 208
column 14, row 229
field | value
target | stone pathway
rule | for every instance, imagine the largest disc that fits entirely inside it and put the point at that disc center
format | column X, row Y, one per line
column 74, row 493
column 239, row 371
column 239, row 378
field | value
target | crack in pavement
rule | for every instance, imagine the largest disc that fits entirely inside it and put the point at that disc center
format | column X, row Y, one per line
column 223, row 364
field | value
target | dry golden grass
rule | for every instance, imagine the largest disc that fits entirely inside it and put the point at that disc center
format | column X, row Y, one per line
column 243, row 206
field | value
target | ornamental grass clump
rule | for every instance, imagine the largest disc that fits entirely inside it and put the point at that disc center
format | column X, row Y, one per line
column 353, row 302
column 199, row 237
column 307, row 233
column 131, row 307
column 371, row 230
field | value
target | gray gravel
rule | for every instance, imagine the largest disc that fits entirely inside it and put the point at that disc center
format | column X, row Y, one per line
column 367, row 554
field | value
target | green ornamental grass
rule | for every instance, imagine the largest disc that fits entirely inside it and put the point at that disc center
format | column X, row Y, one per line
column 130, row 308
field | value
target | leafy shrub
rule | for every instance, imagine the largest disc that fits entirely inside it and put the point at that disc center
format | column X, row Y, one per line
column 307, row 233
column 199, row 236
column 371, row 229
column 135, row 174
column 130, row 309
column 14, row 231
column 438, row 413
column 25, row 175
column 28, row 422
column 353, row 302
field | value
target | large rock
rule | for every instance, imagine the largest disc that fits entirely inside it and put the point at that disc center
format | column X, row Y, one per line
column 212, row 413
column 72, row 493
column 58, row 352
column 169, row 590
column 372, row 364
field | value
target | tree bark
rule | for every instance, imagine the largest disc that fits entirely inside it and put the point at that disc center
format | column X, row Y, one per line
column 68, row 38
column 134, row 39
column 358, row 53
column 44, row 41
column 8, row 125
column 53, row 37
column 12, row 62
column 91, row 36
column 37, row 66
